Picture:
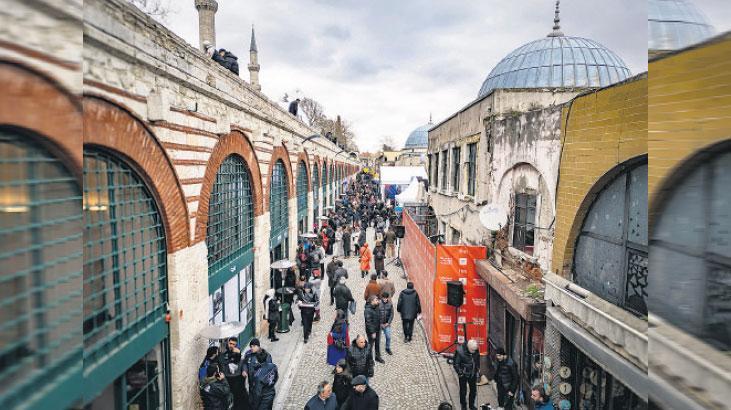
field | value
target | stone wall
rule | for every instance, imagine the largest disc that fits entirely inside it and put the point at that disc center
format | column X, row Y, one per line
column 603, row 129
column 188, row 103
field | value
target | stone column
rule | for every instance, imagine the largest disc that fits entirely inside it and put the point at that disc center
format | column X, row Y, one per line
column 206, row 21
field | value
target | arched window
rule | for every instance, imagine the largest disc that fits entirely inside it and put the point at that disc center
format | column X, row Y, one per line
column 691, row 250
column 302, row 196
column 125, row 285
column 41, row 280
column 316, row 192
column 279, row 210
column 611, row 250
column 230, row 241
column 324, row 185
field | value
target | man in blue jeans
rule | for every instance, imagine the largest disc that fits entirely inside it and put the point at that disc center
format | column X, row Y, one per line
column 386, row 318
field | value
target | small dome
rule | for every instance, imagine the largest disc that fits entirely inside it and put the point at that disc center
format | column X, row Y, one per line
column 675, row 24
column 557, row 61
column 419, row 138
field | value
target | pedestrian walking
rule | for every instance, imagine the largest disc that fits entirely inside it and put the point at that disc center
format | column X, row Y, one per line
column 467, row 365
column 265, row 377
column 338, row 339
column 343, row 297
column 332, row 266
column 360, row 358
column 272, row 311
column 229, row 362
column 338, row 251
column 390, row 239
column 372, row 289
column 363, row 396
column 541, row 400
column 324, row 399
column 409, row 307
column 347, row 236
column 386, row 284
column 342, row 380
column 316, row 282
column 506, row 379
column 365, row 260
column 252, row 361
column 307, row 303
column 214, row 390
column 372, row 316
column 379, row 257
column 386, row 308
column 340, row 272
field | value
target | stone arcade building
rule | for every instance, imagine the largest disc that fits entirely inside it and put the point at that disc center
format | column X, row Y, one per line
column 184, row 171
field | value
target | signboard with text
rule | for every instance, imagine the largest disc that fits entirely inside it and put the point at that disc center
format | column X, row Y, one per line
column 457, row 263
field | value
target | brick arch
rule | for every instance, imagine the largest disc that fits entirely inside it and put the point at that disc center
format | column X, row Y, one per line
column 32, row 101
column 112, row 127
column 565, row 266
column 279, row 152
column 304, row 157
column 234, row 143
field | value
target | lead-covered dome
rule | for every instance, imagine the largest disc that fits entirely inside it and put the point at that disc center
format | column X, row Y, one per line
column 419, row 138
column 675, row 24
column 557, row 61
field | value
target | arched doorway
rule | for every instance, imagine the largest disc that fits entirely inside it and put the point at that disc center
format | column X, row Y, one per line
column 230, row 242
column 279, row 213
column 302, row 197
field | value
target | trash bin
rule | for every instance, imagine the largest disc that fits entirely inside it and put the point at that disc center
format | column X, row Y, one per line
column 284, row 318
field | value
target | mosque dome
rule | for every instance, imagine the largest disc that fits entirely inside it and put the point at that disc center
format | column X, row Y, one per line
column 419, row 138
column 557, row 61
column 675, row 24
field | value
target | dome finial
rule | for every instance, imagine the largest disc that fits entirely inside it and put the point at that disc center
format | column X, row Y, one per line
column 556, row 23
column 430, row 122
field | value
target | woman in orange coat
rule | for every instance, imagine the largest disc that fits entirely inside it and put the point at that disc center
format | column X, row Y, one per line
column 365, row 260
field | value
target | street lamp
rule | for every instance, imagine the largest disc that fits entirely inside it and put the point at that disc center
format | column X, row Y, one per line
column 311, row 137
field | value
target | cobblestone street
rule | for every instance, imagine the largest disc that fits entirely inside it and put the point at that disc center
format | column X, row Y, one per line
column 409, row 379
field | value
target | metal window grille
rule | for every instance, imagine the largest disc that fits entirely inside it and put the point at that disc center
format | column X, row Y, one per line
column 146, row 384
column 471, row 168
column 125, row 257
column 324, row 185
column 611, row 249
column 524, row 219
column 691, row 248
column 332, row 184
column 278, row 194
column 316, row 191
column 445, row 165
column 436, row 170
column 456, row 151
column 230, row 214
column 41, row 264
column 301, row 191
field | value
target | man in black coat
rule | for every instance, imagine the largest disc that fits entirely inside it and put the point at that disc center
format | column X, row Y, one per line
column 229, row 362
column 363, row 397
column 214, row 390
column 332, row 266
column 409, row 307
column 372, row 316
column 360, row 358
column 506, row 379
column 466, row 363
column 343, row 297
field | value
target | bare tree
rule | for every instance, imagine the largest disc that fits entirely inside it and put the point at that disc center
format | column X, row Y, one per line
column 314, row 111
column 316, row 118
column 387, row 143
column 158, row 9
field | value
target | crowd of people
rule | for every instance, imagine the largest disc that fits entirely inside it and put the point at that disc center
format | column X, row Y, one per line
column 230, row 379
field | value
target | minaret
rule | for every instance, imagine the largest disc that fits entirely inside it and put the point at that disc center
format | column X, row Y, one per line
column 556, row 23
column 206, row 21
column 254, row 62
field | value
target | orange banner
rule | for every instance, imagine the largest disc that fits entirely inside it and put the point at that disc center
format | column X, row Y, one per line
column 457, row 262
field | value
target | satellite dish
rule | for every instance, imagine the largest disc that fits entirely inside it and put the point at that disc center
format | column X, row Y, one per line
column 493, row 217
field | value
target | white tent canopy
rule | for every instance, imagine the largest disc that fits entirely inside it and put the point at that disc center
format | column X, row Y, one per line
column 400, row 175
column 414, row 193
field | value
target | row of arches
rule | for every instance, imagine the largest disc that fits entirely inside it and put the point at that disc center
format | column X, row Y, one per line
column 87, row 228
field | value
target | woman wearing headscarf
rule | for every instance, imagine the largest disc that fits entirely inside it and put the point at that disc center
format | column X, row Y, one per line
column 342, row 380
column 271, row 313
column 338, row 339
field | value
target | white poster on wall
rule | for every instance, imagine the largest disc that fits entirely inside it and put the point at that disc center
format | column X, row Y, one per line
column 231, row 299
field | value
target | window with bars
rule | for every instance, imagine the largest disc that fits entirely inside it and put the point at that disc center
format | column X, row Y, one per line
column 316, row 190
column 278, row 197
column 471, row 168
column 41, row 263
column 445, row 167
column 125, row 258
column 324, row 185
column 456, row 151
column 611, row 249
column 524, row 220
column 691, row 250
column 230, row 230
column 301, row 191
column 436, row 170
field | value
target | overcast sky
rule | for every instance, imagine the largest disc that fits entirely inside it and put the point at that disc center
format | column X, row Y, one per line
column 385, row 65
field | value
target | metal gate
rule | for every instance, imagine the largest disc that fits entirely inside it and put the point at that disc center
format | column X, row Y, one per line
column 302, row 197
